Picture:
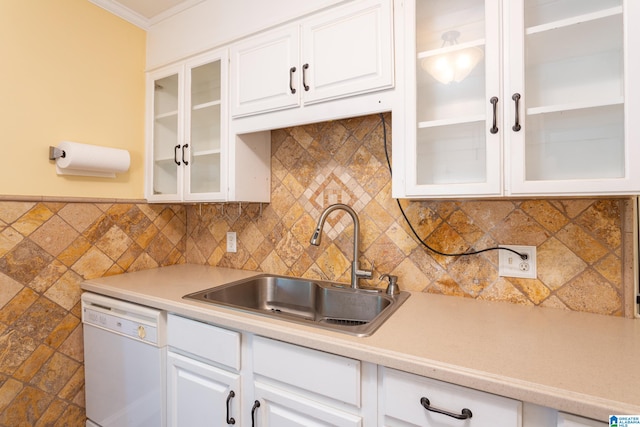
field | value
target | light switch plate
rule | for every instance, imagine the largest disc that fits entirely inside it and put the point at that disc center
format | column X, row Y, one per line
column 511, row 265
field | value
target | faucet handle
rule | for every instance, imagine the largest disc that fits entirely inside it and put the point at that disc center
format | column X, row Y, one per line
column 392, row 288
column 366, row 274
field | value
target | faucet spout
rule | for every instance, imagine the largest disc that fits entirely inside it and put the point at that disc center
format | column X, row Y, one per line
column 356, row 273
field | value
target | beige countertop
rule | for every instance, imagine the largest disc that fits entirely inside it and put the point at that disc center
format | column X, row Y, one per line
column 580, row 363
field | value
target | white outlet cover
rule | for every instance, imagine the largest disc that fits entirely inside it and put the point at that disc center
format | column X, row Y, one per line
column 511, row 265
column 231, row 241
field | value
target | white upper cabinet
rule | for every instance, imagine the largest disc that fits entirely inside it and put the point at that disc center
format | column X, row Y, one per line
column 572, row 63
column 263, row 71
column 342, row 52
column 451, row 148
column 186, row 131
column 520, row 97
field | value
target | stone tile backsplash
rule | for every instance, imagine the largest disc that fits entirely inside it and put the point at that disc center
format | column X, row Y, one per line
column 580, row 242
column 46, row 249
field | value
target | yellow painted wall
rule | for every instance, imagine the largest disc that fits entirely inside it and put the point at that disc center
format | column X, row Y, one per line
column 69, row 70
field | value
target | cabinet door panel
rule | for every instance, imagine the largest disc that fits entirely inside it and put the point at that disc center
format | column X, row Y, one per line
column 207, row 130
column 262, row 76
column 164, row 129
column 452, row 149
column 197, row 393
column 571, row 65
column 280, row 408
column 348, row 51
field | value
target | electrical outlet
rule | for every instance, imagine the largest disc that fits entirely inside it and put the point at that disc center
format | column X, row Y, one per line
column 511, row 265
column 231, row 241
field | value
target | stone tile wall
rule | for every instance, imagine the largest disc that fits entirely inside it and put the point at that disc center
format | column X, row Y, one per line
column 46, row 249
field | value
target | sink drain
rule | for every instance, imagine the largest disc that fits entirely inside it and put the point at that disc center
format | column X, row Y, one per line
column 343, row 322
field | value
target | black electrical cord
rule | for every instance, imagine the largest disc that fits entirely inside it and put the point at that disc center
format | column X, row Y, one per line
column 415, row 233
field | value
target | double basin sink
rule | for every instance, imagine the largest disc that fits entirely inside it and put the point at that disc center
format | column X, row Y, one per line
column 325, row 305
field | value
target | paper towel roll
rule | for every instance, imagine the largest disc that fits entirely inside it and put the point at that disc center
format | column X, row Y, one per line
column 91, row 160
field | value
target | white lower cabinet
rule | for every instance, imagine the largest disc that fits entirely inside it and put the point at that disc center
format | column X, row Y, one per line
column 299, row 386
column 203, row 378
column 412, row 400
column 220, row 377
column 200, row 394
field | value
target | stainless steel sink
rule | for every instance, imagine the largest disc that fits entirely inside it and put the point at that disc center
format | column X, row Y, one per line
column 322, row 304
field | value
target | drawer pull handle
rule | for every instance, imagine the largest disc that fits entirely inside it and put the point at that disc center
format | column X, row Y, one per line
column 256, row 405
column 494, row 102
column 305, row 67
column 230, row 420
column 291, row 71
column 464, row 415
column 516, row 127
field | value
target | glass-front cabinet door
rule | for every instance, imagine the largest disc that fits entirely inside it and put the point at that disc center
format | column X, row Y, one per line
column 456, row 137
column 165, row 126
column 186, row 130
column 204, row 164
column 521, row 97
column 568, row 62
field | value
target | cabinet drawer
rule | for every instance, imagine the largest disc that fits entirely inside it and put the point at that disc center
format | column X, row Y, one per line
column 205, row 341
column 326, row 374
column 568, row 420
column 401, row 396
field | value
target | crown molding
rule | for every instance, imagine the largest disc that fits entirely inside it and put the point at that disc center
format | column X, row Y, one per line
column 123, row 12
column 138, row 19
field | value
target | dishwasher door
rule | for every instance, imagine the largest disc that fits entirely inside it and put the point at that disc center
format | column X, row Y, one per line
column 125, row 362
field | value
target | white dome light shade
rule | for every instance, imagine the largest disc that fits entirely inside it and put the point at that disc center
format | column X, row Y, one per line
column 454, row 66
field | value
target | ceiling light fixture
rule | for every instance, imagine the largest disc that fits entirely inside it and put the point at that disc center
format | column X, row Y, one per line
column 452, row 66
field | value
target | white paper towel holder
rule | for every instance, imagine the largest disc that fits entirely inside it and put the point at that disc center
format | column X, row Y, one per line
column 102, row 171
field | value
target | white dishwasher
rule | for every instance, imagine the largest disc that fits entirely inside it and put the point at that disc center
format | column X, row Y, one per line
column 125, row 363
